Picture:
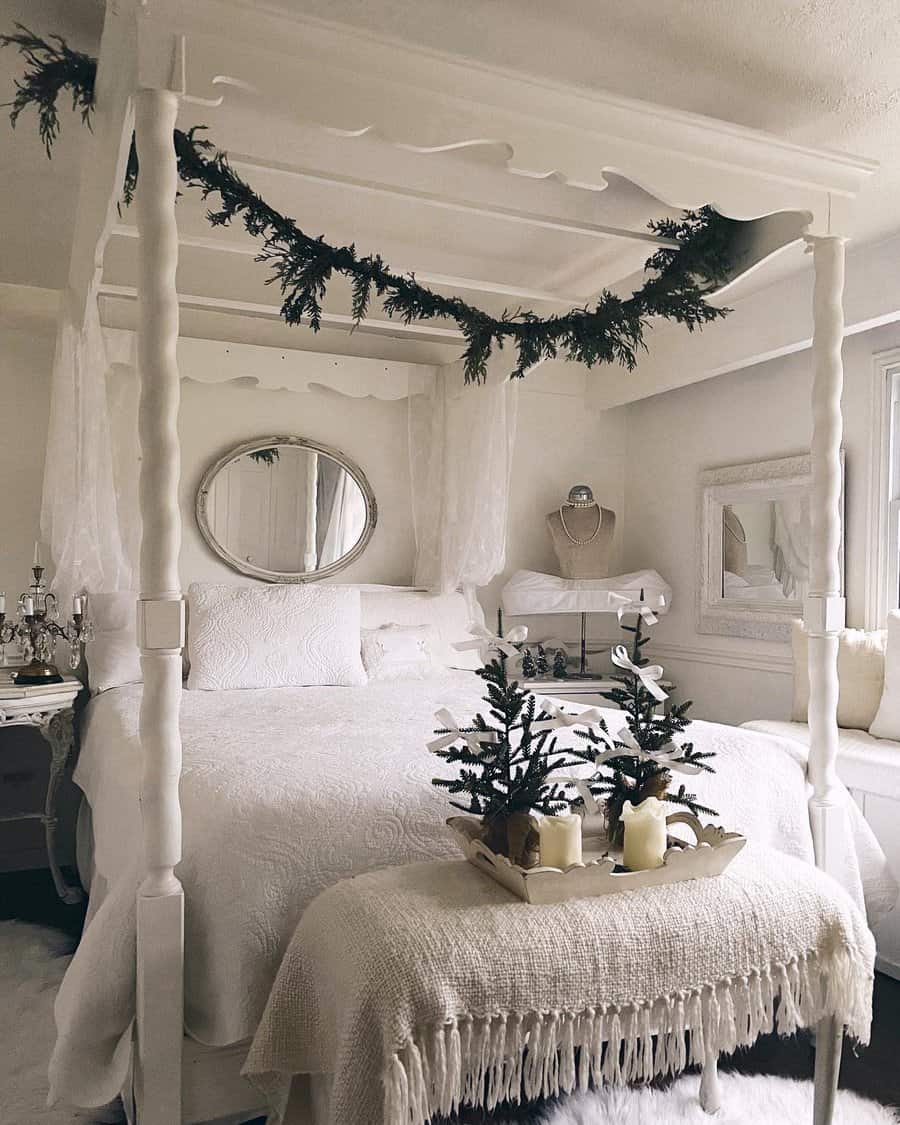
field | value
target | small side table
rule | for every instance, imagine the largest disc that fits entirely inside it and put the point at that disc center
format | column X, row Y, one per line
column 50, row 711
column 588, row 692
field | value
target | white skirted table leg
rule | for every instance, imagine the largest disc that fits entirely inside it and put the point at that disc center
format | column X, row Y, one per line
column 824, row 609
column 160, row 904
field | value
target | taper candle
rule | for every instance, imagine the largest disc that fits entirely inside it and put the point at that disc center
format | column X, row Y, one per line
column 645, row 834
column 37, row 553
column 560, row 840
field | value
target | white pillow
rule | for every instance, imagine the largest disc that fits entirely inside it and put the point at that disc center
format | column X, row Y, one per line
column 861, row 663
column 451, row 615
column 273, row 636
column 399, row 652
column 886, row 723
column 112, row 656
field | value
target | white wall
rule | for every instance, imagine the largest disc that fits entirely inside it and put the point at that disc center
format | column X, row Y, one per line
column 755, row 414
column 559, row 443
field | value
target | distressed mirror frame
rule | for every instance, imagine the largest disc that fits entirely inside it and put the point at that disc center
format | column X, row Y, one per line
column 758, row 480
column 244, row 567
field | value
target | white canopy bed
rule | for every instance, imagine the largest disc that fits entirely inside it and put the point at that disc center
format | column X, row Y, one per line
column 156, row 59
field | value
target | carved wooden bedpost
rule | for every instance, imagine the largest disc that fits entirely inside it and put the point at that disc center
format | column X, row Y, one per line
column 160, row 904
column 824, row 609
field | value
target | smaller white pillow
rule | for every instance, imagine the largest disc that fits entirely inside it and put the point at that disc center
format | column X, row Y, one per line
column 112, row 656
column 861, row 662
column 886, row 723
column 274, row 636
column 400, row 652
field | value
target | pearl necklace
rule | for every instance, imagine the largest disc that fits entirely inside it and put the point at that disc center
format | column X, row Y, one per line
column 574, row 538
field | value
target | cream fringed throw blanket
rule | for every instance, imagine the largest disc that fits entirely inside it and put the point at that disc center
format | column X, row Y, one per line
column 427, row 986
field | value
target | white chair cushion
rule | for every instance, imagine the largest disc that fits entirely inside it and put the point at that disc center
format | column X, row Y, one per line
column 886, row 723
column 861, row 663
column 112, row 656
column 274, row 636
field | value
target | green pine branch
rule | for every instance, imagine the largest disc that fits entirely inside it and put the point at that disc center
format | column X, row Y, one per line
column 611, row 331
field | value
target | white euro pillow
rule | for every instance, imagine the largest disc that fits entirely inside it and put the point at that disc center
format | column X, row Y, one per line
column 861, row 671
column 273, row 636
column 112, row 656
column 399, row 652
column 450, row 615
column 886, row 723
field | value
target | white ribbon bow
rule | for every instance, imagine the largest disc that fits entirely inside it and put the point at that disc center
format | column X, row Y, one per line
column 473, row 738
column 588, row 718
column 648, row 676
column 664, row 756
column 642, row 610
column 485, row 640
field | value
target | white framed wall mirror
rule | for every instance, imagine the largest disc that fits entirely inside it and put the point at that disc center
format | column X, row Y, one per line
column 286, row 509
column 754, row 547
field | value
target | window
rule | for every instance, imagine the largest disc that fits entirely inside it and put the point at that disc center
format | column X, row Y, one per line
column 883, row 562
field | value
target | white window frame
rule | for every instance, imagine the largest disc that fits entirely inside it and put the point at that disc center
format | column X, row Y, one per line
column 883, row 522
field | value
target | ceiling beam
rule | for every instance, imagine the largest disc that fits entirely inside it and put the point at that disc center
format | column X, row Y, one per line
column 273, row 312
column 448, row 281
column 448, row 203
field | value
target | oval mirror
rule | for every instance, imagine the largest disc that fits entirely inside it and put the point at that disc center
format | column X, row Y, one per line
column 286, row 509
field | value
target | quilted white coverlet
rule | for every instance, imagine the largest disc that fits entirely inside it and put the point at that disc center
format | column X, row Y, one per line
column 286, row 791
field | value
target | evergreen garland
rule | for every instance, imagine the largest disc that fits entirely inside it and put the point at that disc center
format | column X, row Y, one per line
column 610, row 331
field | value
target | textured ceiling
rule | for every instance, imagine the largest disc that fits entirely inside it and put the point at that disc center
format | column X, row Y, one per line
column 820, row 72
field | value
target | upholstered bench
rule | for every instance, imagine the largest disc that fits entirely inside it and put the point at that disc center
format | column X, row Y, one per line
column 426, row 987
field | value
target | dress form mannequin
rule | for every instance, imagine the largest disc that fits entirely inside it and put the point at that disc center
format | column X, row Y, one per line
column 582, row 534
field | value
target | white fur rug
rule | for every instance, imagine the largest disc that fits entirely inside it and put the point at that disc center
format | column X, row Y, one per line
column 33, row 960
column 746, row 1100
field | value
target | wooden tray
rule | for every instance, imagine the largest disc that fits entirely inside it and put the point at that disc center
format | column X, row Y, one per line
column 601, row 872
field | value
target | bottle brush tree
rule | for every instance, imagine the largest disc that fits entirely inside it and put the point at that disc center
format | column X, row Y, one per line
column 649, row 754
column 505, row 761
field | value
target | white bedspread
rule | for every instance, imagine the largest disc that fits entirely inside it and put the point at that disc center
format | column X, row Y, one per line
column 284, row 792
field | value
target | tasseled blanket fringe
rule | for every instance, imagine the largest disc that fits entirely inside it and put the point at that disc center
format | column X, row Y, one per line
column 507, row 1057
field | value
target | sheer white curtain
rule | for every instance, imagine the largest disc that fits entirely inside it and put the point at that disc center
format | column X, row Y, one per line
column 790, row 545
column 79, row 510
column 461, row 443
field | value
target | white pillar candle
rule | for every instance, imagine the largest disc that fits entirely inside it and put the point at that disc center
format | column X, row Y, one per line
column 28, row 605
column 2, row 602
column 560, row 840
column 645, row 834
column 76, row 604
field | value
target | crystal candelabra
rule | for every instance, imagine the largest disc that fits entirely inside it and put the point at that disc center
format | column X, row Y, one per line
column 37, row 629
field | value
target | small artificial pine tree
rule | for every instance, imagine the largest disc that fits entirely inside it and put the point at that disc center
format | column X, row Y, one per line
column 560, row 670
column 632, row 778
column 542, row 664
column 529, row 668
column 505, row 780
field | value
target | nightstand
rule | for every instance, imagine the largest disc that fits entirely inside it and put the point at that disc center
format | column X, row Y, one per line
column 49, row 709
column 587, row 692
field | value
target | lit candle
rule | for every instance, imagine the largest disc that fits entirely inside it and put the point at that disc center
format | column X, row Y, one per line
column 645, row 834
column 560, row 840
column 28, row 605
column 37, row 553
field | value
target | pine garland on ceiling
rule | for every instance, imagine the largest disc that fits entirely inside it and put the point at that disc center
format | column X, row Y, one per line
column 612, row 330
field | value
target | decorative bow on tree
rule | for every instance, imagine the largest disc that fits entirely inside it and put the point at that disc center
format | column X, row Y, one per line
column 637, row 761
